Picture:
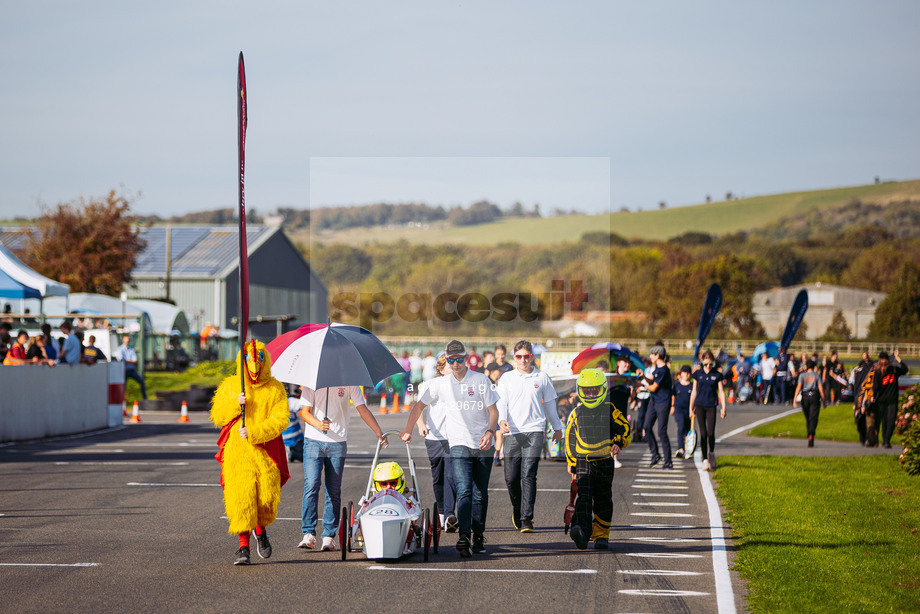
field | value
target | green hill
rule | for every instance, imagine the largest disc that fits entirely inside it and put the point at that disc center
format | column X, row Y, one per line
column 719, row 218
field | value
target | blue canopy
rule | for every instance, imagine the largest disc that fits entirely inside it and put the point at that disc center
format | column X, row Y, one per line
column 10, row 288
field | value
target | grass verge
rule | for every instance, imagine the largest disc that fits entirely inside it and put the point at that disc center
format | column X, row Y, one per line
column 834, row 424
column 824, row 534
column 204, row 374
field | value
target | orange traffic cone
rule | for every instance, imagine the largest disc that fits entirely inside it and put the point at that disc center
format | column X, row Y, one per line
column 383, row 404
column 407, row 406
column 183, row 416
column 395, row 409
column 124, row 409
column 135, row 413
column 731, row 396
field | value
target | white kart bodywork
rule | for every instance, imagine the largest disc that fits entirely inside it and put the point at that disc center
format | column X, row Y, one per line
column 389, row 524
column 384, row 525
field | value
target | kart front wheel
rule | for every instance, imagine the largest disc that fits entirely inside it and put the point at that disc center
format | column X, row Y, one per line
column 426, row 533
column 435, row 528
column 351, row 524
column 343, row 528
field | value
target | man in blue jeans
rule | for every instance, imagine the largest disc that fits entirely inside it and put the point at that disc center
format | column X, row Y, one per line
column 471, row 419
column 326, row 412
column 527, row 400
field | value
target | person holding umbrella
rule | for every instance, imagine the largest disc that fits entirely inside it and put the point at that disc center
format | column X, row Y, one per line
column 471, row 420
column 326, row 412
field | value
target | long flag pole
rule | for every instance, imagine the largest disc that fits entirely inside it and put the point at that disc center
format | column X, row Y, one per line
column 244, row 253
column 708, row 317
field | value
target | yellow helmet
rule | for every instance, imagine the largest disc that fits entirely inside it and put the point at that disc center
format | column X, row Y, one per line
column 389, row 475
column 592, row 387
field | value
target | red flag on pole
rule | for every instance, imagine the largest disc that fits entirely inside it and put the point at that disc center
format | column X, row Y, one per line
column 244, row 252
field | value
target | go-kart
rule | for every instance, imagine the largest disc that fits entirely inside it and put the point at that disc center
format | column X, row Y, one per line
column 388, row 524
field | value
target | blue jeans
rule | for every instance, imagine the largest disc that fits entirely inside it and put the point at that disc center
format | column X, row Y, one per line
column 660, row 411
column 322, row 457
column 442, row 476
column 522, row 456
column 132, row 373
column 472, row 470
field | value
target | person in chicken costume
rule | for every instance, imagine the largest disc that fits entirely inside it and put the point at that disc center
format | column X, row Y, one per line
column 252, row 456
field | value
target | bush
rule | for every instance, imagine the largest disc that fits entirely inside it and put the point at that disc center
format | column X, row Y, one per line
column 908, row 426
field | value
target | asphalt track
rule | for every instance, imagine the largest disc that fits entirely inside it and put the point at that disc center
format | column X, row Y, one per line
column 130, row 519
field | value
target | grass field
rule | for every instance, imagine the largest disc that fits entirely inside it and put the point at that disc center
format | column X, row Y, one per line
column 715, row 218
column 834, row 424
column 824, row 534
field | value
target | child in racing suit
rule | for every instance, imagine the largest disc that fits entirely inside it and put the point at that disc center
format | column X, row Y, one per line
column 597, row 430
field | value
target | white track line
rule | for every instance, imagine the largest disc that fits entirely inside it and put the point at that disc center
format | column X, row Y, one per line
column 658, row 572
column 665, row 555
column 664, row 526
column 758, row 423
column 660, row 487
column 162, row 484
column 664, row 539
column 659, row 494
column 117, row 463
column 661, row 503
column 50, row 564
column 662, row 593
column 662, row 514
column 725, row 598
column 554, row 571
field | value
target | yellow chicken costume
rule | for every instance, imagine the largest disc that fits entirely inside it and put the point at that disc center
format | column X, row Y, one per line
column 252, row 469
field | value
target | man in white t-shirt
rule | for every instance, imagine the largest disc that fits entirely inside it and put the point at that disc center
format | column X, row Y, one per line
column 431, row 426
column 527, row 399
column 327, row 414
column 767, row 370
column 471, row 418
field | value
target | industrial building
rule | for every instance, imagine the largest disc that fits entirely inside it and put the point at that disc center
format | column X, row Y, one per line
column 771, row 308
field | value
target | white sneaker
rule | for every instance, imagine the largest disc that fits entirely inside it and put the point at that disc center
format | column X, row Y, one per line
column 679, row 454
column 616, row 463
column 308, row 542
column 706, row 465
column 329, row 544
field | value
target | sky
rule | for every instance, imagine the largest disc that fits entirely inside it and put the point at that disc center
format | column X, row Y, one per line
column 589, row 106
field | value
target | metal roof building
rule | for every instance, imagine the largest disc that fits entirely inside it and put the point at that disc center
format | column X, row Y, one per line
column 203, row 276
column 771, row 308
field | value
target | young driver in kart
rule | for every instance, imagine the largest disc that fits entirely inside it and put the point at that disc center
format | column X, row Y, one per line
column 595, row 434
column 389, row 475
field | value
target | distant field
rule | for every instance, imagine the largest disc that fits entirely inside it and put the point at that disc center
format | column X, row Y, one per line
column 715, row 218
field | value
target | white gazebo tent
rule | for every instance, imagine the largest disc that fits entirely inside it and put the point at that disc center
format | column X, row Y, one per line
column 19, row 272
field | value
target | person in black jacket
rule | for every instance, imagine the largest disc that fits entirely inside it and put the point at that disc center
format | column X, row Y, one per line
column 885, row 392
column 860, row 371
column 596, row 432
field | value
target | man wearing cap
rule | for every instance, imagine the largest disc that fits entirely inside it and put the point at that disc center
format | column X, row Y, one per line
column 527, row 399
column 471, row 417
column 660, row 386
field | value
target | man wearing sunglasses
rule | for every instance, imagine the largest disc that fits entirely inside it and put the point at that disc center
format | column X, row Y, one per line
column 470, row 423
column 526, row 401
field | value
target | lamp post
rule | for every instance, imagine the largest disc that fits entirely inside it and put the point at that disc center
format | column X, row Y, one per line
column 124, row 304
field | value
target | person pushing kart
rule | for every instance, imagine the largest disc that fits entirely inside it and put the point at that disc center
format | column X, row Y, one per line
column 596, row 432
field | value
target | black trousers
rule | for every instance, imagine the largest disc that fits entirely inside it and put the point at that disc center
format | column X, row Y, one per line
column 860, row 419
column 658, row 411
column 811, row 407
column 706, row 429
column 594, row 504
column 889, row 416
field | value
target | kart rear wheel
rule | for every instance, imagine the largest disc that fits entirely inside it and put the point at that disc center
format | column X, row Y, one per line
column 343, row 528
column 426, row 533
column 435, row 528
column 351, row 524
